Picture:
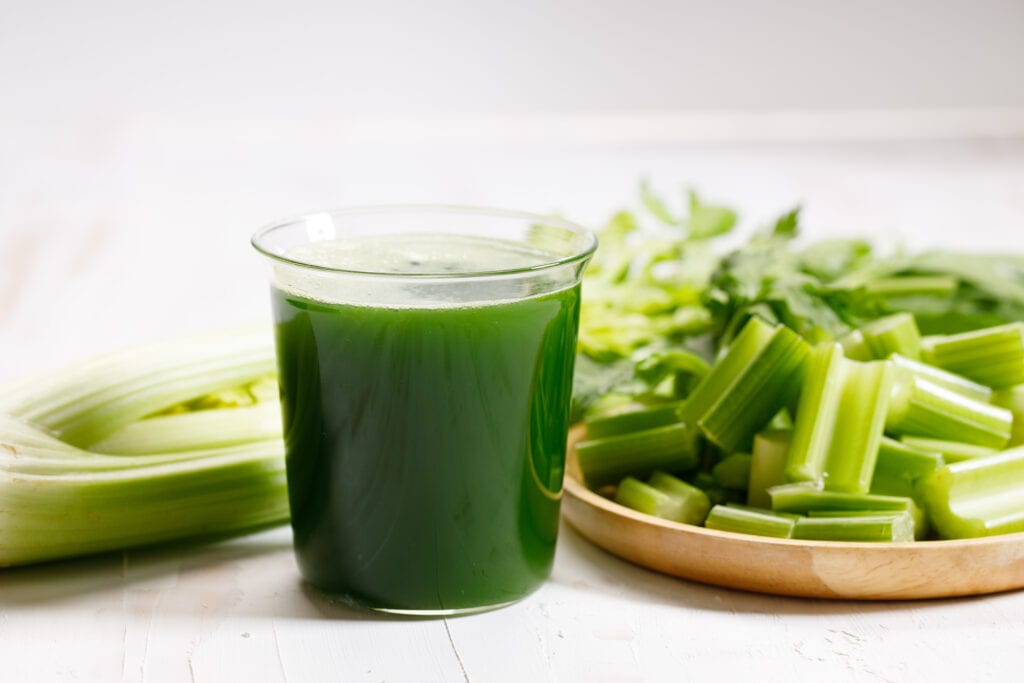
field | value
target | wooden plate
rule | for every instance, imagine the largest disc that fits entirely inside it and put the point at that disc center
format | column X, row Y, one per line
column 814, row 569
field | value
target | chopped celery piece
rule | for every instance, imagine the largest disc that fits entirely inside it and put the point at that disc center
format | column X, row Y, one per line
column 764, row 511
column 606, row 461
column 1012, row 398
column 85, row 403
column 633, row 419
column 947, row 380
column 855, row 347
column 892, row 528
column 839, row 420
column 644, row 498
column 733, row 472
column 758, row 376
column 951, row 451
column 993, row 356
column 767, row 466
column 913, row 285
column 919, row 407
column 695, row 502
column 744, row 521
column 979, row 497
column 200, row 429
column 893, row 334
column 802, row 498
column 899, row 467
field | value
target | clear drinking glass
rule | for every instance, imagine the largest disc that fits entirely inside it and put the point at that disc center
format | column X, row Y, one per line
column 426, row 357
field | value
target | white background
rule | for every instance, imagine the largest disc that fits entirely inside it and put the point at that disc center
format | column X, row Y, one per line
column 142, row 143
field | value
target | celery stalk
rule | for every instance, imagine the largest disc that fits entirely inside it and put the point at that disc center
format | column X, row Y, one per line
column 633, row 419
column 951, row 451
column 695, row 503
column 993, row 356
column 979, row 497
column 893, row 334
column 1012, row 398
column 839, row 421
column 733, row 471
column 946, row 380
column 758, row 376
column 767, row 466
column 744, row 521
column 804, row 498
column 606, row 461
column 921, row 408
column 855, row 347
column 871, row 528
column 899, row 467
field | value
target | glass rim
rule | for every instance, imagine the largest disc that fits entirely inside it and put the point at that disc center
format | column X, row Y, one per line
column 579, row 255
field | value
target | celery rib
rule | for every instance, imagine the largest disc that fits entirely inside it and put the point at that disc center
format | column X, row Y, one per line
column 979, row 497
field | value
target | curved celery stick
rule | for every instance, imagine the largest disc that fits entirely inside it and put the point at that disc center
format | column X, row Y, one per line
column 979, row 497
column 606, row 461
column 919, row 407
column 839, row 420
column 993, row 356
column 744, row 521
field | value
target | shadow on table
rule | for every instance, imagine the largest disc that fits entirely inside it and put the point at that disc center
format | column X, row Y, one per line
column 611, row 575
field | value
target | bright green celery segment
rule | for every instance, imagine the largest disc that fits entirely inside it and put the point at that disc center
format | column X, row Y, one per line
column 695, row 501
column 1012, row 398
column 633, row 419
column 893, row 334
column 750, row 521
column 606, row 461
column 687, row 506
column 756, row 378
column 993, row 356
column 875, row 527
column 899, row 467
column 839, row 420
column 944, row 379
column 767, row 465
column 803, row 498
column 204, row 471
column 919, row 407
column 855, row 347
column 951, row 451
column 979, row 497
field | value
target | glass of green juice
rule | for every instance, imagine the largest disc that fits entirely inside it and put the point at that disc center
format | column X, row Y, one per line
column 425, row 361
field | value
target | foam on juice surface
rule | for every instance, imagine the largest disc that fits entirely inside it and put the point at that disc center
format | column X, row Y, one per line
column 421, row 255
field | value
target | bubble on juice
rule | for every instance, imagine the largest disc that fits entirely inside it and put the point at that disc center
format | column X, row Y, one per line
column 444, row 256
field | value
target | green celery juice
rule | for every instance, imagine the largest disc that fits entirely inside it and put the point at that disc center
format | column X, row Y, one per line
column 425, row 433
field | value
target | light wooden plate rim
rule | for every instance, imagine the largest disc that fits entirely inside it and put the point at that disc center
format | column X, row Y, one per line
column 817, row 569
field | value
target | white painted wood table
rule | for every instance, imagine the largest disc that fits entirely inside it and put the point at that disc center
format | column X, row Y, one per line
column 114, row 232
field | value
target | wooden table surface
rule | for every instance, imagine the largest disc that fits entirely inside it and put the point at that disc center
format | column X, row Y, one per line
column 120, row 231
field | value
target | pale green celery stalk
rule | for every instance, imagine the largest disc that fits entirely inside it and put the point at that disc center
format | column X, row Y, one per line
column 87, row 402
column 644, row 498
column 893, row 334
column 733, row 471
column 746, row 401
column 979, row 497
column 695, row 503
column 1012, row 398
column 993, row 356
column 855, row 347
column 875, row 528
column 900, row 466
column 743, row 521
column 606, row 461
column 946, row 380
column 839, row 420
column 190, row 431
column 951, row 451
column 633, row 418
column 921, row 408
column 765, row 511
column 803, row 498
column 46, row 516
column 913, row 285
column 767, row 465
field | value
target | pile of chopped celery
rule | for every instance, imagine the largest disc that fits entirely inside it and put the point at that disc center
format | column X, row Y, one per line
column 170, row 441
column 820, row 392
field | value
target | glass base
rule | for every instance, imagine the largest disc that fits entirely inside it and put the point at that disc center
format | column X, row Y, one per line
column 362, row 605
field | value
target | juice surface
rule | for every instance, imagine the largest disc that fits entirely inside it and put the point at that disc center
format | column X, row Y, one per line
column 426, row 446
